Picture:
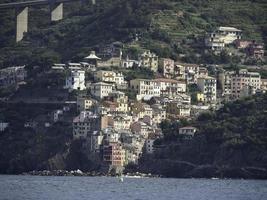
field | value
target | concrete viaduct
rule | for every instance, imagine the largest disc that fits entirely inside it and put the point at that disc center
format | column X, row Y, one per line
column 56, row 12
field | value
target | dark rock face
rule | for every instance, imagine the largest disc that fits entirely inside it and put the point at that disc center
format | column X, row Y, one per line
column 168, row 168
column 204, row 171
column 182, row 169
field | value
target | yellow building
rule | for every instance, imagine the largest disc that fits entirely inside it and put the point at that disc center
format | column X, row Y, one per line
column 121, row 101
column 200, row 97
column 178, row 109
column 84, row 103
column 149, row 60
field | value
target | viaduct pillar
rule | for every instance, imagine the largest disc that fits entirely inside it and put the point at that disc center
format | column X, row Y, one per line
column 21, row 22
column 56, row 11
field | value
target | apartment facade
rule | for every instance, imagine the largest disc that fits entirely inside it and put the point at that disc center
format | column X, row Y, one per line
column 76, row 80
column 145, row 88
column 113, row 154
column 149, row 60
column 188, row 72
column 166, row 65
column 242, row 81
column 171, row 87
column 222, row 36
column 121, row 101
column 225, row 81
column 208, row 86
column 178, row 109
column 256, row 50
column 111, row 77
column 101, row 89
column 121, row 122
column 84, row 103
column 86, row 123
column 141, row 129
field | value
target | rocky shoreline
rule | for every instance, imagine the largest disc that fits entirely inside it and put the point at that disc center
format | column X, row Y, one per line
column 80, row 173
column 204, row 171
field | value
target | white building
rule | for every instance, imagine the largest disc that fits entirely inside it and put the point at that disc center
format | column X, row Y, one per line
column 101, row 89
column 3, row 126
column 207, row 85
column 187, row 131
column 145, row 88
column 95, row 142
column 198, row 109
column 171, row 87
column 76, row 80
column 222, row 36
column 122, row 122
column 187, row 72
column 146, row 111
column 58, row 66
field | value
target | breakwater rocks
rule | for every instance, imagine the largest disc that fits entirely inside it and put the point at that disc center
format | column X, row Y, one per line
column 175, row 170
column 80, row 173
column 63, row 173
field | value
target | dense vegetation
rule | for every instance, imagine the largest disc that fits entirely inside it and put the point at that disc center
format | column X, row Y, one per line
column 24, row 149
column 232, row 137
column 167, row 27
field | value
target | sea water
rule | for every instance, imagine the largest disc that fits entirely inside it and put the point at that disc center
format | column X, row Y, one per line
column 109, row 188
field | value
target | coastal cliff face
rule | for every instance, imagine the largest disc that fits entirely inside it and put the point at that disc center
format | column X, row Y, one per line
column 182, row 169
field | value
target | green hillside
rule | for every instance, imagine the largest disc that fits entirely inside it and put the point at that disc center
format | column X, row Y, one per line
column 167, row 27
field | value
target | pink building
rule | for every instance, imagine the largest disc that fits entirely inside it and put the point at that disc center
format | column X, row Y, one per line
column 242, row 44
column 256, row 50
column 113, row 154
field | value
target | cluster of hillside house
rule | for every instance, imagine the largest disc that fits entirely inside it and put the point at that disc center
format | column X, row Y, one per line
column 119, row 119
column 119, row 129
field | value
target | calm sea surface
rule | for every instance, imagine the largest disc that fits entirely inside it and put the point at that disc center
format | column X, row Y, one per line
column 109, row 188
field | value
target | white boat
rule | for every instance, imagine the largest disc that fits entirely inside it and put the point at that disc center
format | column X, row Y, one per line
column 134, row 176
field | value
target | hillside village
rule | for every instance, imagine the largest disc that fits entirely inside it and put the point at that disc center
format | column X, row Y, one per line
column 116, row 104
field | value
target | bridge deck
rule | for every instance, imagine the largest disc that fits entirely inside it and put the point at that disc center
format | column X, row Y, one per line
column 31, row 3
